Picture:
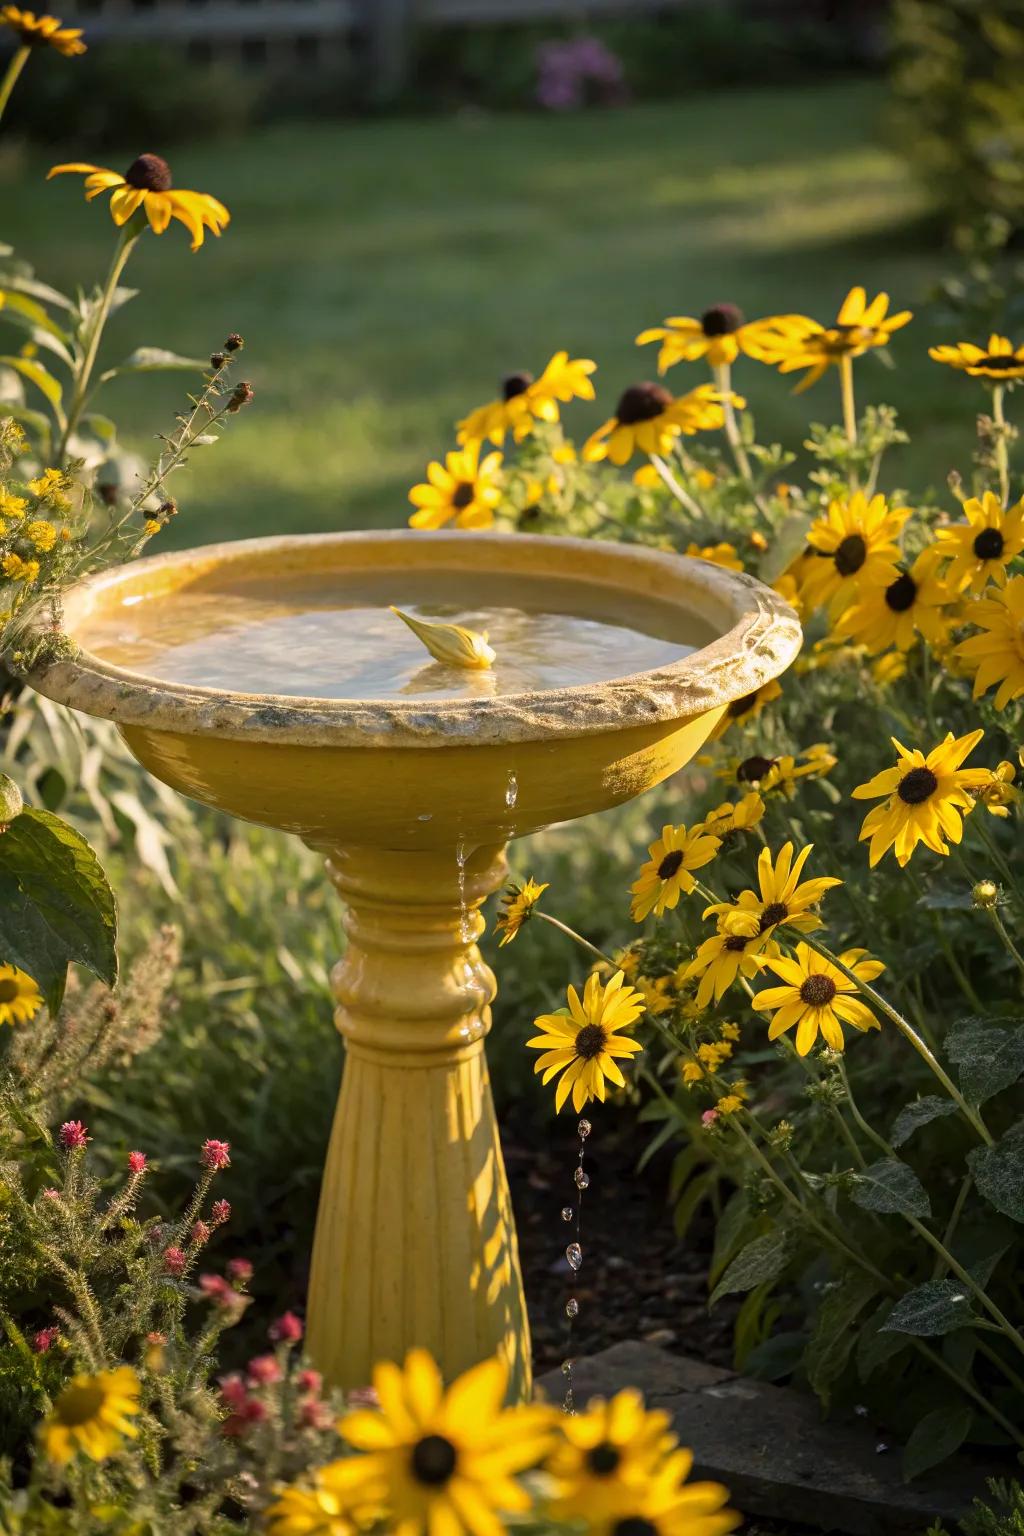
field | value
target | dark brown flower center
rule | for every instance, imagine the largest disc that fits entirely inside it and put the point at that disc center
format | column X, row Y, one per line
column 462, row 494
column 818, row 991
column 516, row 384
column 79, row 1404
column 603, row 1459
column 590, row 1041
column 916, row 786
column 433, row 1460
column 8, row 990
column 774, row 912
column 721, row 319
column 901, row 594
column 634, row 1525
column 753, row 769
column 741, row 706
column 989, row 544
column 736, row 943
column 642, row 402
column 850, row 555
column 1004, row 360
column 670, row 864
column 150, row 173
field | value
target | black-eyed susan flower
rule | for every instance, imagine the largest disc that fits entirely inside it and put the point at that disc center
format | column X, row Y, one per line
column 742, row 711
column 93, row 1414
column 517, row 907
column 782, row 898
column 981, row 549
column 443, row 1460
column 999, row 791
column 464, row 491
column 718, row 554
column 649, row 420
column 816, row 998
column 668, row 871
column 667, row 1505
column 852, row 548
column 583, row 1041
column 42, row 31
column 783, row 773
column 739, row 816
column 926, row 797
column 147, row 184
column 999, row 360
column 604, row 1457
column 20, row 998
column 525, row 400
column 915, row 603
column 996, row 654
column 720, row 334
column 793, row 342
column 324, row 1508
column 734, row 950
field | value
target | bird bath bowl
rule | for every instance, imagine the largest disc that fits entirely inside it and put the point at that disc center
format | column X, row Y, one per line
column 267, row 678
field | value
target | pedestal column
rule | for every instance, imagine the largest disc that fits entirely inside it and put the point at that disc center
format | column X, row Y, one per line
column 415, row 1242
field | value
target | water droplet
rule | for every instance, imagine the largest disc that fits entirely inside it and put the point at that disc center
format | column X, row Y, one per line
column 572, row 1307
column 566, row 1367
column 567, row 1213
column 860, row 1411
column 881, row 1448
column 425, row 817
column 581, row 1179
column 511, row 791
column 569, row 1403
column 584, row 1129
column 574, row 1253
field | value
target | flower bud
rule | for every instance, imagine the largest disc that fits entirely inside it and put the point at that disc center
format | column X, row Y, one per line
column 11, row 803
column 985, row 894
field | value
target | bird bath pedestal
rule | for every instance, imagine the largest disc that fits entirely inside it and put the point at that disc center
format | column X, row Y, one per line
column 411, row 795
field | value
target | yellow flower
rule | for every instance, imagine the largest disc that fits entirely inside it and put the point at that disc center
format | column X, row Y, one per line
column 664, row 1504
column 93, row 1414
column 714, row 1053
column 720, row 335
column 605, row 1456
column 451, row 644
column 896, row 614
column 732, row 951
column 999, row 791
column 12, row 506
column 525, row 400
column 583, row 1041
column 796, row 341
column 648, row 420
column 718, row 554
column 151, row 526
column 35, row 31
column 889, row 668
column 983, row 547
column 781, row 773
column 656, row 996
column 996, row 655
column 730, row 1103
column 462, row 488
column 17, row 569
column 444, row 1461
column 742, row 711
column 518, row 903
column 926, row 798
column 564, row 453
column 816, row 997
column 730, row 1031
column 49, row 481
column 999, row 360
column 667, row 873
column 42, row 534
column 647, row 477
column 855, row 549
column 691, row 1072
column 728, row 817
column 20, row 998
column 146, row 184
column 782, row 900
column 324, row 1509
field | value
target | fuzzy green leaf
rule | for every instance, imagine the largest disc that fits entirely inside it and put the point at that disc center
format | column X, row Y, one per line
column 931, row 1309
column 834, row 1333
column 760, row 1261
column 999, row 1172
column 935, row 1437
column 156, row 360
column 891, row 1188
column 912, row 1116
column 989, row 1054
column 875, row 1347
column 36, row 374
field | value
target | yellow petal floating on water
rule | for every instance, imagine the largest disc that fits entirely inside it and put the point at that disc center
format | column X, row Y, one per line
column 450, row 643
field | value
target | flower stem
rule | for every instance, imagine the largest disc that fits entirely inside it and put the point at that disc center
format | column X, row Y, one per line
column 14, row 69
column 1002, row 453
column 1000, row 928
column 723, row 383
column 122, row 251
column 682, row 496
column 578, row 937
column 849, row 406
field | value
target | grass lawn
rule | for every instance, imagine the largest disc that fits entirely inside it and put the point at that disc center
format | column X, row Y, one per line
column 386, row 274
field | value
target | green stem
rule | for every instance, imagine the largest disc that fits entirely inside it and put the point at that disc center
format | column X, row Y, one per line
column 963, row 980
column 1002, row 453
column 849, row 407
column 14, row 69
column 681, row 495
column 723, row 383
column 122, row 251
column 978, row 823
column 577, row 937
column 1000, row 928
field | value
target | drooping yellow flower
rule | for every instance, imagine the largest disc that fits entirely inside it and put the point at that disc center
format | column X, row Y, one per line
column 816, row 997
column 42, row 534
column 743, row 711
column 518, row 903
column 998, row 360
column 17, row 569
column 668, row 871
column 451, row 644
column 981, row 549
column 782, row 900
column 665, row 1504
column 926, row 798
column 147, row 184
column 42, row 31
column 648, row 420
column 583, row 1042
column 895, row 615
column 718, row 554
column 793, row 342
column 735, row 950
column 996, row 654
column 605, row 1456
column 783, row 773
column 720, row 335
column 443, row 1460
column 656, row 994
column 999, row 791
column 691, row 1072
column 463, row 490
column 854, row 549
column 20, row 998
column 325, row 1508
column 526, row 400
column 93, row 1414
column 740, row 817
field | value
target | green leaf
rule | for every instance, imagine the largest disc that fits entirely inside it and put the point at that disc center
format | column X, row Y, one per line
column 834, row 1334
column 155, row 360
column 999, row 1172
column 790, row 538
column 56, row 905
column 36, row 374
column 32, row 285
column 912, row 1116
column 931, row 1309
column 875, row 1347
column 22, row 309
column 760, row 1261
column 891, row 1188
column 734, row 1225
column 989, row 1053
column 938, row 1435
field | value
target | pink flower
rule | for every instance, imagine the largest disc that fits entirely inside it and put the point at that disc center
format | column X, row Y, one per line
column 287, row 1329
column 216, row 1288
column 240, row 1270
column 45, row 1339
column 156, row 1338
column 234, row 1391
column 51, row 1194
column 309, row 1381
column 214, row 1155
column 174, row 1260
column 362, row 1397
column 220, row 1212
column 709, row 1117
column 136, row 1162
column 73, row 1135
column 315, row 1415
column 199, row 1234
column 263, row 1370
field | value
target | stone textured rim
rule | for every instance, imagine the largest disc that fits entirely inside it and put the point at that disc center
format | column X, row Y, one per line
column 759, row 635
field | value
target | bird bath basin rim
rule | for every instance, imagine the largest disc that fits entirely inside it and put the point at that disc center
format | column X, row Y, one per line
column 757, row 636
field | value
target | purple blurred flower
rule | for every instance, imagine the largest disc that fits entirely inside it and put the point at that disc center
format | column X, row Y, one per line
column 571, row 74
